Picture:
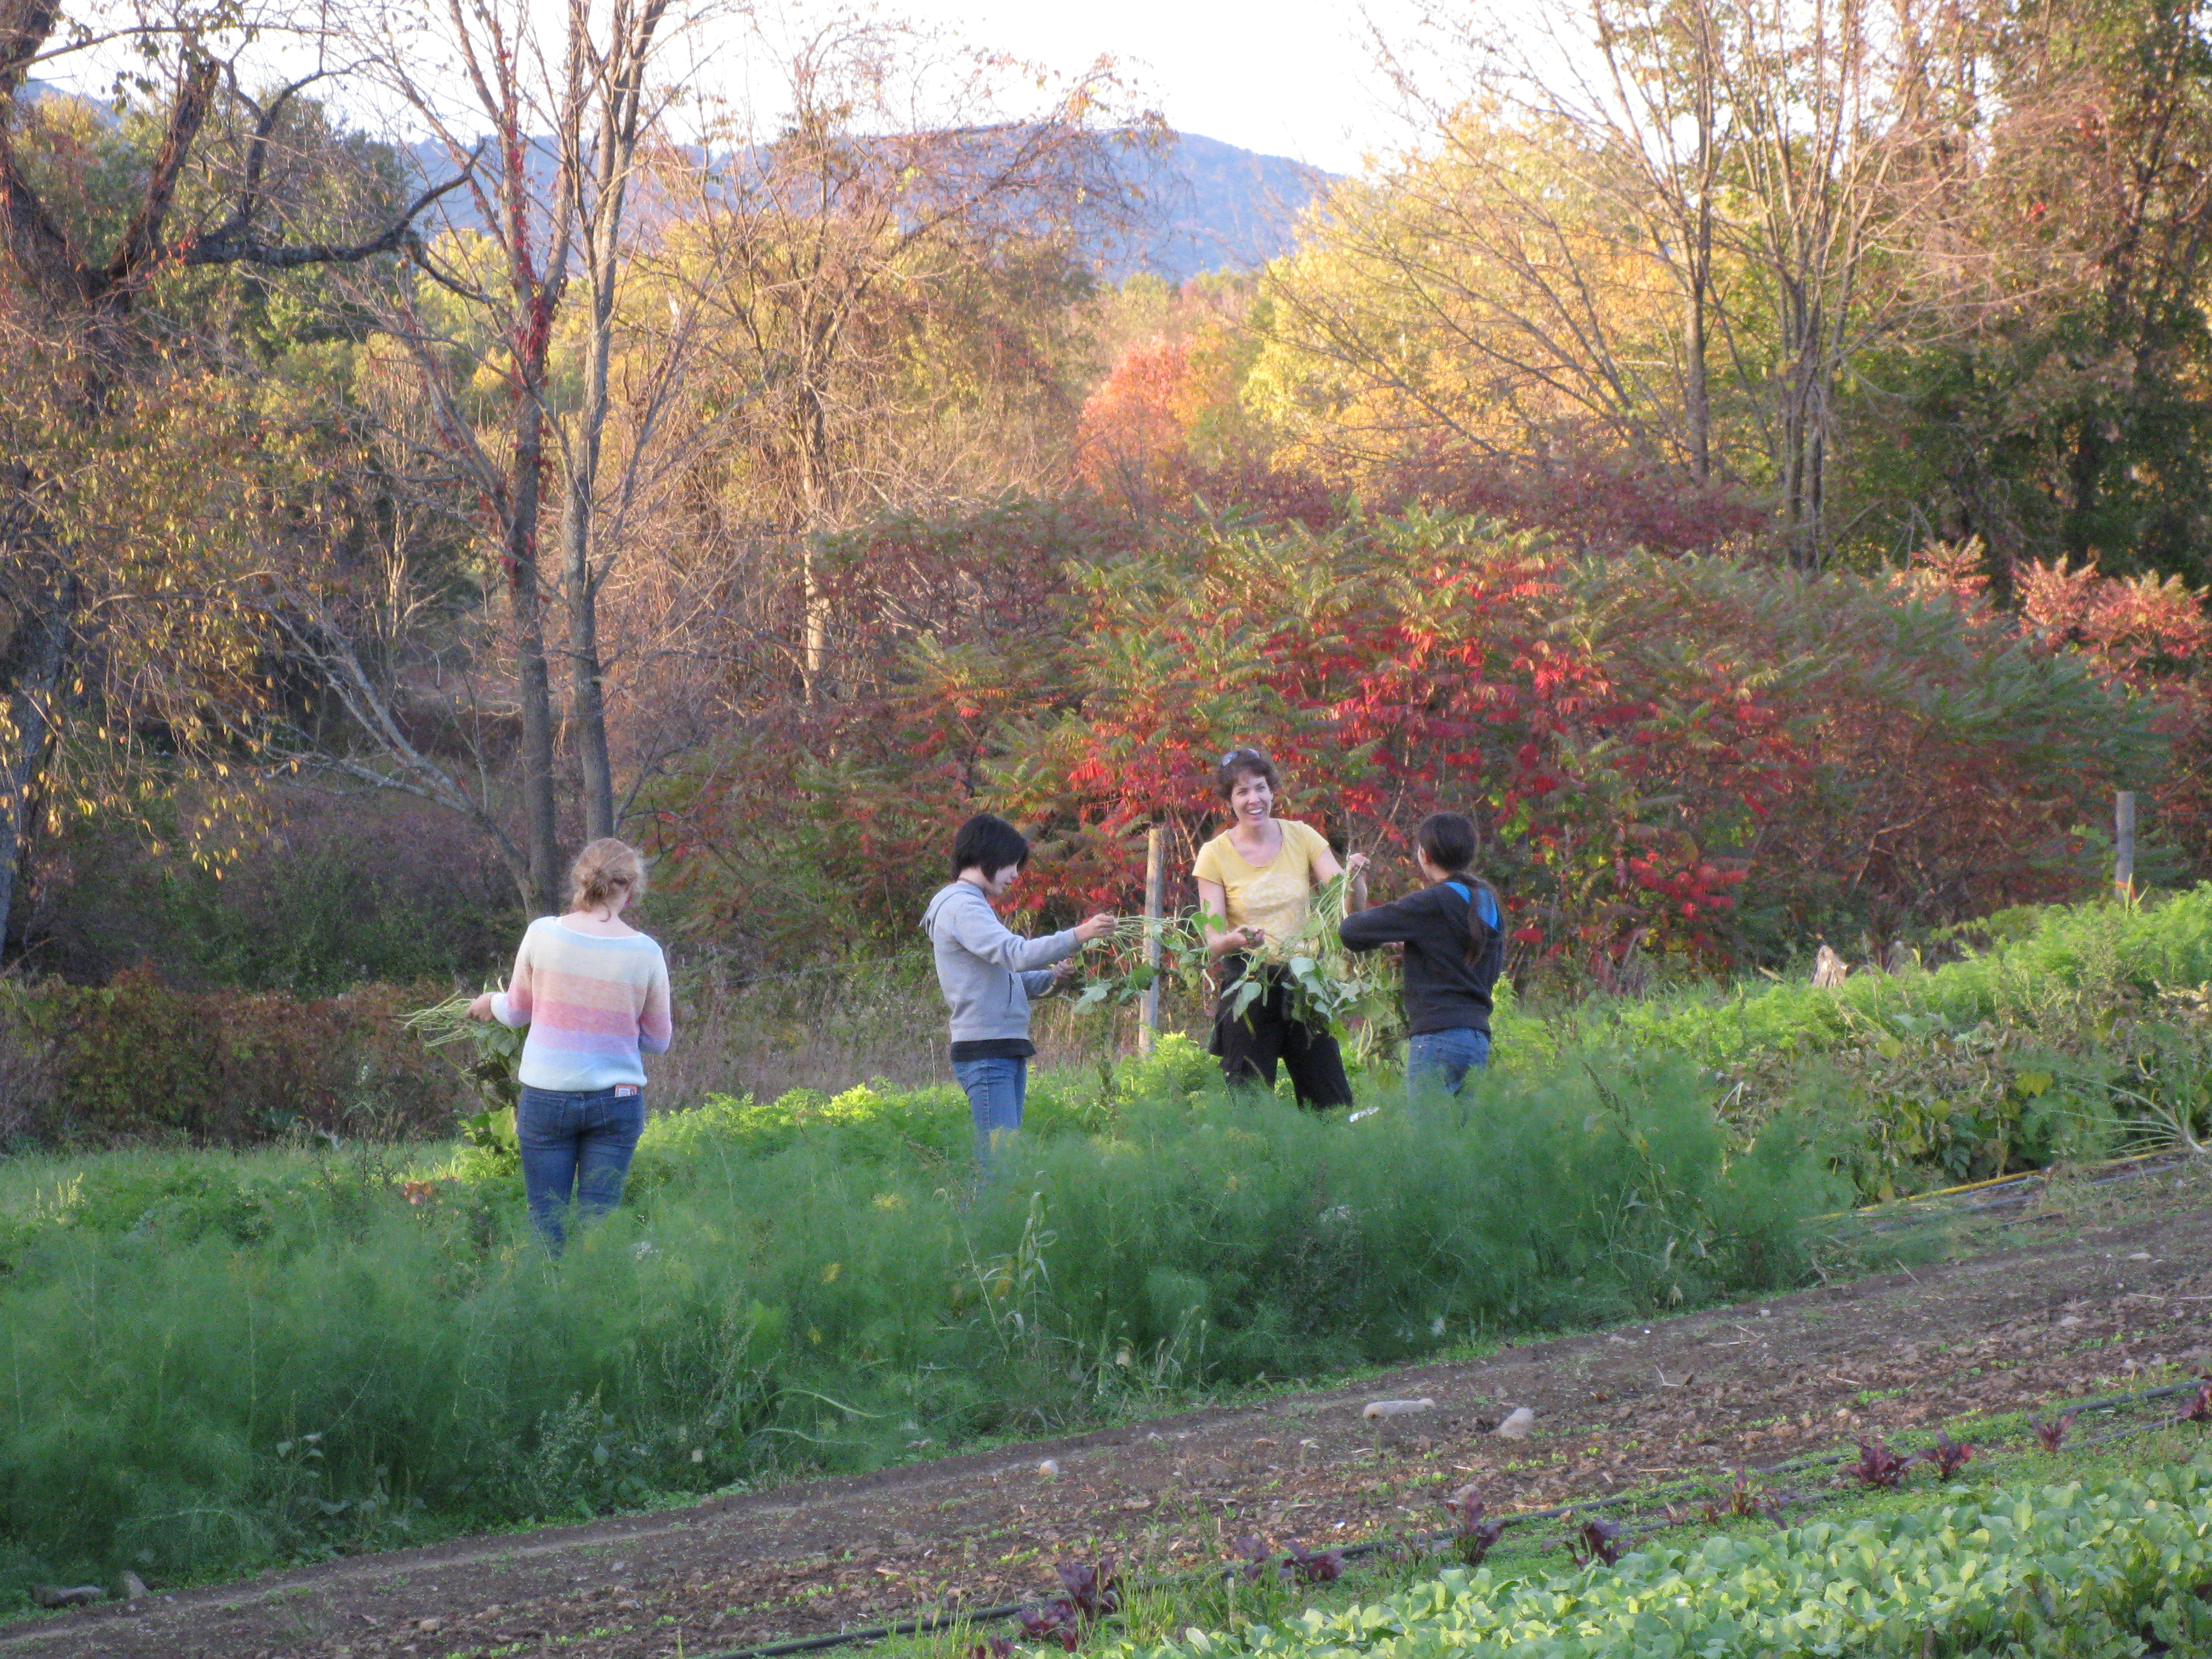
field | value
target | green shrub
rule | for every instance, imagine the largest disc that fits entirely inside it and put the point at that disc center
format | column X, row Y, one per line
column 136, row 1061
column 2088, row 1570
column 321, row 894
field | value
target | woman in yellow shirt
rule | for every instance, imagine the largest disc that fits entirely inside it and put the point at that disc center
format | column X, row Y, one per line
column 1258, row 877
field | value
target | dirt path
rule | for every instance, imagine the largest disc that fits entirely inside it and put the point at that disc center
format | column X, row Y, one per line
column 2023, row 1327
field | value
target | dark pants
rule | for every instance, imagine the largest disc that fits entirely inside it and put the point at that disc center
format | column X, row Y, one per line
column 577, row 1147
column 1250, row 1043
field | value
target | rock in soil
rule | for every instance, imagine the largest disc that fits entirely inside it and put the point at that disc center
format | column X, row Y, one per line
column 76, row 1595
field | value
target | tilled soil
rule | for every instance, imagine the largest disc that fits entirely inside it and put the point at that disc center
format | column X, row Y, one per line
column 2026, row 1327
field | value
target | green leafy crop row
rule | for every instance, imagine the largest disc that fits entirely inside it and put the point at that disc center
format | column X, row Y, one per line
column 2074, row 1570
column 2070, row 1033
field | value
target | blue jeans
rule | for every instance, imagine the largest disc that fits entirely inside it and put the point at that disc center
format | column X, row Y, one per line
column 577, row 1147
column 1442, row 1059
column 997, row 1086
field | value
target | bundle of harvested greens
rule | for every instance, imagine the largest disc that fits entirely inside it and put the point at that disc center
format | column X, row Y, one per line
column 1328, row 985
column 1119, row 974
column 493, row 1069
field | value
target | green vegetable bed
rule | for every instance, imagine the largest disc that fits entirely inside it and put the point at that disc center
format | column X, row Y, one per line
column 2118, row 1566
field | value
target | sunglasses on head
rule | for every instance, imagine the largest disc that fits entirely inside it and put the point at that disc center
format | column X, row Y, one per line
column 1238, row 754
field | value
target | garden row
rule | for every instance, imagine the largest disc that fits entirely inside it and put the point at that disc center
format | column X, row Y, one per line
column 2067, row 1033
column 242, row 1360
column 2092, row 1569
column 2070, row 1033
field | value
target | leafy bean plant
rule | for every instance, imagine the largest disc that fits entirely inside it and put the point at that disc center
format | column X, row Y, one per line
column 1354, row 994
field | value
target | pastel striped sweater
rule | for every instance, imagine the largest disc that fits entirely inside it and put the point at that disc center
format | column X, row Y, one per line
column 590, row 1004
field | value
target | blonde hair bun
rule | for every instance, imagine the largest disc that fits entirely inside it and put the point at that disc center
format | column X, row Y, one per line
column 604, row 868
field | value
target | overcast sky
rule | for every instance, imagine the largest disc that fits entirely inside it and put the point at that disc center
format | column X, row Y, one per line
column 1286, row 77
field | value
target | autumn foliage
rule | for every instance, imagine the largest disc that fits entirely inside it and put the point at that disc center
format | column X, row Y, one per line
column 1689, row 755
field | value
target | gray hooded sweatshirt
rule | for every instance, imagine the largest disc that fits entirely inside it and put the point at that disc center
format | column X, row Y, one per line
column 987, row 974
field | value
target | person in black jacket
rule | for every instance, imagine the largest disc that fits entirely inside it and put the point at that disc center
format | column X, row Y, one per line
column 1455, row 941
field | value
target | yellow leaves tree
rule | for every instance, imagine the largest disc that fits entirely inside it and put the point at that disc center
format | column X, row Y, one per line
column 1477, row 296
column 131, row 499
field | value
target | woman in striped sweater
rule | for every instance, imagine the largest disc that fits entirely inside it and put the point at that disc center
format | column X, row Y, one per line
column 595, row 993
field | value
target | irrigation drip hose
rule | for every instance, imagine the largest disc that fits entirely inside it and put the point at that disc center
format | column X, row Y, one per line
column 2129, row 1168
column 2162, row 1161
column 927, row 1624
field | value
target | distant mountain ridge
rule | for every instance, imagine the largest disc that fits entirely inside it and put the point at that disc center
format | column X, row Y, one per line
column 1209, row 206
column 1213, row 206
column 1221, row 207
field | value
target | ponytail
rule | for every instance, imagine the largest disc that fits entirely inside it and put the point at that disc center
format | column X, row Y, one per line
column 1479, row 933
column 1447, row 839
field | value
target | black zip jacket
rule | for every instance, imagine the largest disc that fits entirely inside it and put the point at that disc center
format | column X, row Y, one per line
column 1443, row 992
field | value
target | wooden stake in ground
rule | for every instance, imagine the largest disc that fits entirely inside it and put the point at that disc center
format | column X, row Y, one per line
column 1148, row 1024
column 2123, row 845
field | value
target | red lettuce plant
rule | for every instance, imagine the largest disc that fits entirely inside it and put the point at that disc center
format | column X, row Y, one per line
column 1300, row 1565
column 1948, row 1455
column 1878, row 1465
column 1598, row 1540
column 1094, row 1588
column 2053, row 1430
column 2199, row 1409
column 1093, row 1591
column 1053, row 1622
column 1743, row 1500
column 1472, row 1536
column 1315, row 1567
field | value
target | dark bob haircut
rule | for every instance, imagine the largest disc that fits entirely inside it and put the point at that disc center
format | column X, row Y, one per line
column 1244, row 763
column 988, row 844
column 1447, row 839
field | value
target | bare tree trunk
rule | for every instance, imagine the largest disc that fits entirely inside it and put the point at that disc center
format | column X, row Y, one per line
column 541, row 835
column 1697, row 390
column 816, row 494
column 621, row 115
column 587, row 708
column 30, row 677
column 1697, row 394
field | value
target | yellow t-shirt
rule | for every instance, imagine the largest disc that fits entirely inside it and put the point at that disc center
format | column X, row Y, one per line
column 1272, row 898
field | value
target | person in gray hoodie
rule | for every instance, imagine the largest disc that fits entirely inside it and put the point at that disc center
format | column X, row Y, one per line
column 988, row 974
